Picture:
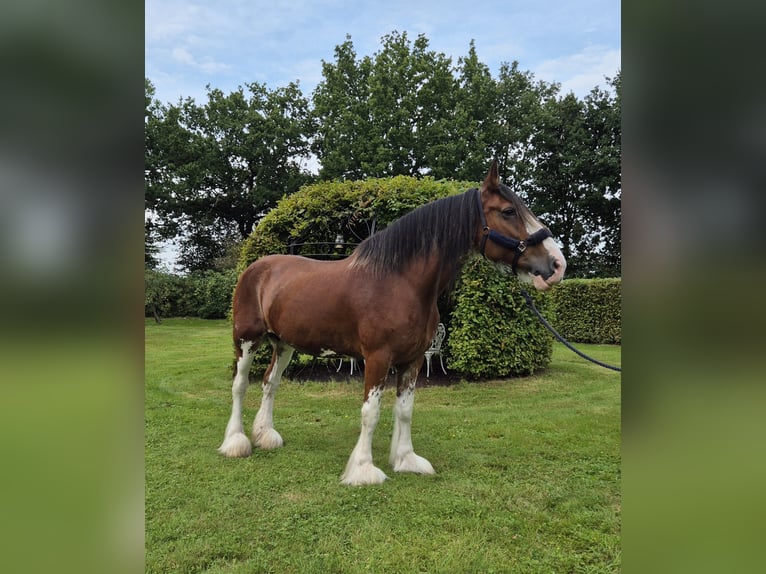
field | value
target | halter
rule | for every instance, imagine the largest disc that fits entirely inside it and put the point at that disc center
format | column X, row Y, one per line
column 516, row 245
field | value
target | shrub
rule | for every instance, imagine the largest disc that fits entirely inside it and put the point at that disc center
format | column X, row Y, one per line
column 321, row 211
column 161, row 292
column 589, row 310
column 489, row 335
column 213, row 291
column 492, row 331
column 206, row 294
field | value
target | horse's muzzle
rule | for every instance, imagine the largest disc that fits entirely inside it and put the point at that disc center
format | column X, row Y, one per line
column 548, row 273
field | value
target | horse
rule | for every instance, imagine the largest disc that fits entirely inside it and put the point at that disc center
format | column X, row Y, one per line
column 379, row 304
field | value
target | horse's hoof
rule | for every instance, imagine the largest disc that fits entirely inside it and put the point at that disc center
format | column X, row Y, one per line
column 358, row 475
column 267, row 439
column 413, row 463
column 236, row 445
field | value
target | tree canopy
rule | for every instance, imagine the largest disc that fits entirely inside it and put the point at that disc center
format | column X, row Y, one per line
column 214, row 169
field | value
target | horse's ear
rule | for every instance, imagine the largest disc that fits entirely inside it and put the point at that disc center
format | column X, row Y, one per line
column 492, row 181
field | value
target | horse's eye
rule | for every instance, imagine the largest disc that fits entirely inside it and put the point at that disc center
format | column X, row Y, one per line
column 509, row 212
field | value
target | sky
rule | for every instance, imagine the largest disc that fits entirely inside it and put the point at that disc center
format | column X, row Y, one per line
column 228, row 43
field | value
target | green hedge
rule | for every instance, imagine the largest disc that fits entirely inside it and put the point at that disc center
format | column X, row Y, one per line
column 320, row 211
column 206, row 295
column 589, row 310
column 492, row 332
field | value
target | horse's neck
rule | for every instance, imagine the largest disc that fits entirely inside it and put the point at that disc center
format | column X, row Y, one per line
column 433, row 275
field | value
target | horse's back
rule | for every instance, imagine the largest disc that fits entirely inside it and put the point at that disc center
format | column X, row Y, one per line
column 286, row 271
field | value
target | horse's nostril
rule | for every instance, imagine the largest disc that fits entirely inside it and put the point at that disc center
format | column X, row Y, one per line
column 556, row 264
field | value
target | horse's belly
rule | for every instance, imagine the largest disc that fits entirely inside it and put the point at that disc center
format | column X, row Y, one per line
column 314, row 318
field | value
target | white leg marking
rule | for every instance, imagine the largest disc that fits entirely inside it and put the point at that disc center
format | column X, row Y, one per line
column 264, row 435
column 360, row 469
column 235, row 442
column 403, row 457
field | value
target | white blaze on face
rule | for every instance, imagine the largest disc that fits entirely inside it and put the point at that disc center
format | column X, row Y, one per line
column 553, row 251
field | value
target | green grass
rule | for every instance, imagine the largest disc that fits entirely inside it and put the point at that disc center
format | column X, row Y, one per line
column 528, row 471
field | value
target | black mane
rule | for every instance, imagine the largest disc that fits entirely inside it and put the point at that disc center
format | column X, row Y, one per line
column 447, row 226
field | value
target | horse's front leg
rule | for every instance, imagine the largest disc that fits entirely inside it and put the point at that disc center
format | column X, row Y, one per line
column 403, row 457
column 360, row 469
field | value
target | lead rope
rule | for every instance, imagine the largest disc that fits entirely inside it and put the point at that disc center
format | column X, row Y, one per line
column 513, row 244
column 531, row 304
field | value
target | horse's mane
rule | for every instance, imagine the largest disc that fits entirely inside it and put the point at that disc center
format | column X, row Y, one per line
column 447, row 225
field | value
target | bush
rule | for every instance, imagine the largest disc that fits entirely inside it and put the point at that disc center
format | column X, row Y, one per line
column 492, row 331
column 589, row 310
column 489, row 334
column 161, row 292
column 321, row 211
column 213, row 291
column 206, row 294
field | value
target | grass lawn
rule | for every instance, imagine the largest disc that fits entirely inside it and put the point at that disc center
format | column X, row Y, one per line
column 528, row 471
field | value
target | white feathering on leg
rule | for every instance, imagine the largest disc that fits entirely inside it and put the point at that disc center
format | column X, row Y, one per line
column 235, row 442
column 264, row 435
column 360, row 469
column 403, row 457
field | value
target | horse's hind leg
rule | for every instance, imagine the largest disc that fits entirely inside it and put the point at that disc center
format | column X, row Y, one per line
column 403, row 457
column 264, row 434
column 235, row 442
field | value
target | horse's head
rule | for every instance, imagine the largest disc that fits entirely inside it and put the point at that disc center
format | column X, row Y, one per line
column 512, row 235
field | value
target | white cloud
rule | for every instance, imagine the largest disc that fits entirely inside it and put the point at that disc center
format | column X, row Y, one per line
column 581, row 72
column 207, row 65
column 166, row 21
column 182, row 55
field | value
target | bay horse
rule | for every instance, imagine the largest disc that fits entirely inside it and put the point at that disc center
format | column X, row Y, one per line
column 378, row 304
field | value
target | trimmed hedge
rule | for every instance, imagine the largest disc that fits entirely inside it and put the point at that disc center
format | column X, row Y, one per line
column 320, row 211
column 589, row 310
column 488, row 333
column 206, row 295
column 492, row 332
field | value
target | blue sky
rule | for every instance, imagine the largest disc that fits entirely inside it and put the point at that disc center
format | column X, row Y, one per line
column 226, row 43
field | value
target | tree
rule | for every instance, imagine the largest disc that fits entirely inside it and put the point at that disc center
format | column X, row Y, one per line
column 603, row 120
column 518, row 107
column 342, row 115
column 575, row 180
column 154, row 172
column 475, row 108
column 410, row 87
column 220, row 166
column 382, row 116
